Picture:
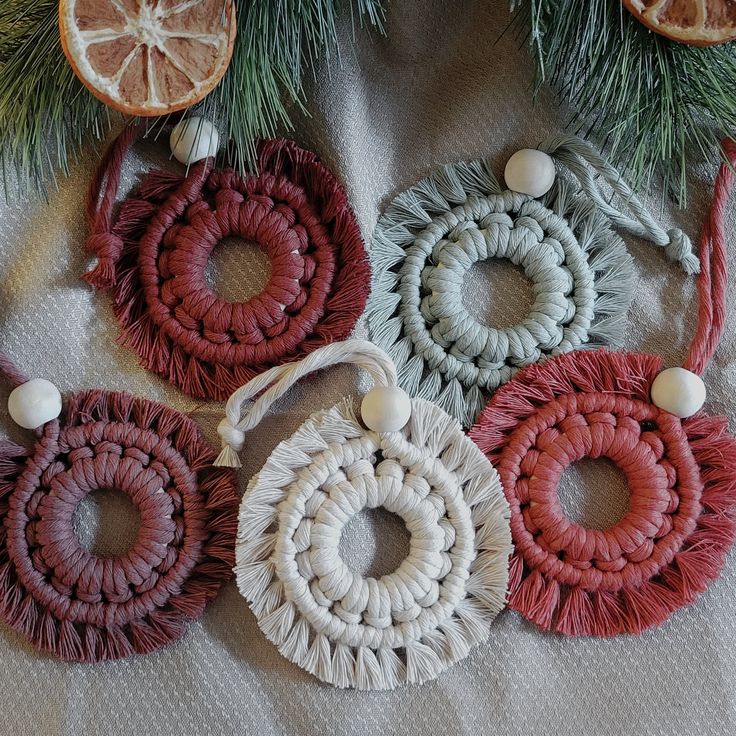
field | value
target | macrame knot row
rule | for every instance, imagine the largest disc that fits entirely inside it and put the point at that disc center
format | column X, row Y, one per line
column 66, row 599
column 298, row 214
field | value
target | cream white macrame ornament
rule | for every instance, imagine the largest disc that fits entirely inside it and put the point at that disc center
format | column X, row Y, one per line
column 346, row 629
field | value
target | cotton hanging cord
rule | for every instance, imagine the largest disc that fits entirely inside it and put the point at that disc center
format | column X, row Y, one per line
column 713, row 278
column 101, row 194
column 61, row 596
column 277, row 381
column 155, row 250
column 681, row 521
column 585, row 162
column 347, row 629
column 10, row 372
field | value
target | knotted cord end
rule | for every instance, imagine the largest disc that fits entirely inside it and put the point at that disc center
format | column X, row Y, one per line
column 108, row 247
column 680, row 249
column 233, row 440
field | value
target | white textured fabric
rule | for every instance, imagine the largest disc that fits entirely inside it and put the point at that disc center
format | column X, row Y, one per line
column 440, row 88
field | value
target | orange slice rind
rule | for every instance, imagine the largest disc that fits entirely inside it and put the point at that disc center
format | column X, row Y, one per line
column 148, row 57
column 695, row 22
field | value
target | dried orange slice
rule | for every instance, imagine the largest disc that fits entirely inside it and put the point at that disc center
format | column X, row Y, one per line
column 697, row 22
column 148, row 57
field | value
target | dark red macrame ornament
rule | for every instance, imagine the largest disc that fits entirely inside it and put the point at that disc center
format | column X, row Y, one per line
column 681, row 521
column 154, row 252
column 64, row 599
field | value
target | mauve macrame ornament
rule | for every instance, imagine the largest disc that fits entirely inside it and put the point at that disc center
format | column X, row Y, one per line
column 681, row 520
column 434, row 232
column 153, row 256
column 347, row 629
column 72, row 603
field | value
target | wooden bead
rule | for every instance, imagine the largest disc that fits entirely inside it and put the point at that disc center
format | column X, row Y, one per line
column 193, row 139
column 530, row 172
column 386, row 409
column 34, row 403
column 678, row 391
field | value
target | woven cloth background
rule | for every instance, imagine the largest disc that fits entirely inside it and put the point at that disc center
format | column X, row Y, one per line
column 441, row 87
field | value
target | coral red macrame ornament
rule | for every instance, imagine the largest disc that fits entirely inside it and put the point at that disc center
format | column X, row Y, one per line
column 79, row 606
column 154, row 252
column 673, row 540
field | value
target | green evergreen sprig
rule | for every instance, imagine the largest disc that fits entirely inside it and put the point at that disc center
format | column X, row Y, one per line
column 655, row 103
column 46, row 114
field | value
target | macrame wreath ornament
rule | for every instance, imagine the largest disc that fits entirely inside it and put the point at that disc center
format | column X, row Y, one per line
column 680, row 465
column 154, row 253
column 558, row 232
column 346, row 629
column 54, row 591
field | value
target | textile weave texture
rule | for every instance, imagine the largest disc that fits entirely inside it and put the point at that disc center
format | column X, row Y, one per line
column 439, row 88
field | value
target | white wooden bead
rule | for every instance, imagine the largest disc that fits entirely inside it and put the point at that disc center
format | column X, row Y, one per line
column 386, row 409
column 193, row 139
column 34, row 403
column 679, row 392
column 530, row 172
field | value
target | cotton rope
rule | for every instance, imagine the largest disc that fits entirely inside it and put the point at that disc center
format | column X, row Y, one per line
column 154, row 252
column 344, row 628
column 79, row 606
column 434, row 232
column 673, row 540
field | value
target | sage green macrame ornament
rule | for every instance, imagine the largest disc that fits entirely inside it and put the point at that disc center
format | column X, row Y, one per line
column 432, row 234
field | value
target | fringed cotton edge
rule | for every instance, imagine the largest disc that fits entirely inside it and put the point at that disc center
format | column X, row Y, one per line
column 88, row 642
column 163, row 355
column 452, row 186
column 579, row 612
column 280, row 618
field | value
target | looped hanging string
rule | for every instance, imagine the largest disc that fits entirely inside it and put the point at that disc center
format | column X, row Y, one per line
column 241, row 417
column 585, row 162
column 10, row 372
column 107, row 246
column 713, row 278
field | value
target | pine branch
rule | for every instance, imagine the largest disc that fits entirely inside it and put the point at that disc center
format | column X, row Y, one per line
column 655, row 103
column 277, row 40
column 46, row 114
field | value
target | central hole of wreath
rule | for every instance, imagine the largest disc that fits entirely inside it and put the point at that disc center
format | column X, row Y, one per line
column 594, row 493
column 107, row 523
column 237, row 270
column 374, row 542
column 497, row 293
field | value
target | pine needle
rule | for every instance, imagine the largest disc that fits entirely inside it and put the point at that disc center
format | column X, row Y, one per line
column 45, row 112
column 655, row 103
column 47, row 115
